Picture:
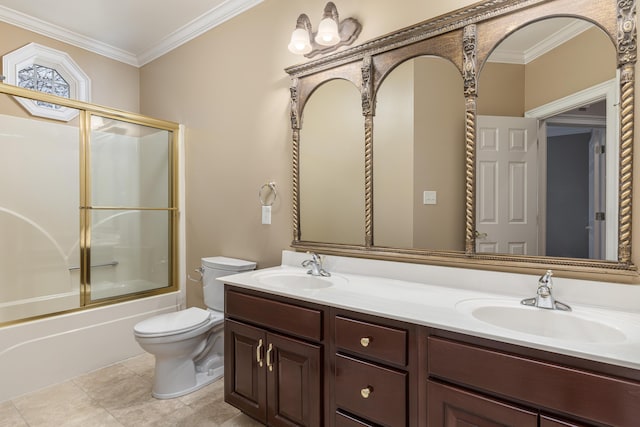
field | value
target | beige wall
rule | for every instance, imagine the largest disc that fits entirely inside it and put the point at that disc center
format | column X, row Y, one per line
column 419, row 145
column 501, row 90
column 332, row 165
column 511, row 89
column 582, row 62
column 439, row 155
column 113, row 83
column 393, row 146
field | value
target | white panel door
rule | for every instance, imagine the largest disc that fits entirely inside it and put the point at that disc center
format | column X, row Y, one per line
column 507, row 185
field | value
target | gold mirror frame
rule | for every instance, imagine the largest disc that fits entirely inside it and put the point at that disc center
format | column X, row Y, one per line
column 466, row 37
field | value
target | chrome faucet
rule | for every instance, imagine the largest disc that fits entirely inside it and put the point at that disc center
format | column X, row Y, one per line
column 315, row 264
column 544, row 299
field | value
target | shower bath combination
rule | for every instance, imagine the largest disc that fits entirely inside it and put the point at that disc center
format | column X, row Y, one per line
column 90, row 216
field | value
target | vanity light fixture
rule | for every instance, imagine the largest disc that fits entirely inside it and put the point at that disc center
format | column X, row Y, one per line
column 332, row 33
column 300, row 43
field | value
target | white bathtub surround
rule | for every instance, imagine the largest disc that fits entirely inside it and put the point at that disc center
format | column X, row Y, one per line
column 440, row 297
column 43, row 352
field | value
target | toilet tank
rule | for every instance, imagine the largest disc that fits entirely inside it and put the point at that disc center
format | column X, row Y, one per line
column 218, row 266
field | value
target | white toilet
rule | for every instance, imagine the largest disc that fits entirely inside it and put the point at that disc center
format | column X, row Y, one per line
column 189, row 344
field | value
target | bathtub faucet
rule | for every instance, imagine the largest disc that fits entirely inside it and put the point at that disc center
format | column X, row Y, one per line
column 315, row 264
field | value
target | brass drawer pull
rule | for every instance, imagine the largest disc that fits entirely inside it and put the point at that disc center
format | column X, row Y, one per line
column 259, row 353
column 366, row 392
column 365, row 341
column 269, row 361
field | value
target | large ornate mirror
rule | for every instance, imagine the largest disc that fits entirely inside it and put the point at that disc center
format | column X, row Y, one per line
column 434, row 102
column 546, row 150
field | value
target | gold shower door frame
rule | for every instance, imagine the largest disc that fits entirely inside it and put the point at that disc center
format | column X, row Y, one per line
column 87, row 110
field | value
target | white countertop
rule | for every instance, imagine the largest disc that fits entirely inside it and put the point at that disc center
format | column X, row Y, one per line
column 420, row 294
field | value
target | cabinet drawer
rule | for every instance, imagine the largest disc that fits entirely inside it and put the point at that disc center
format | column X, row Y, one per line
column 371, row 340
column 386, row 402
column 344, row 420
column 450, row 406
column 600, row 398
column 289, row 318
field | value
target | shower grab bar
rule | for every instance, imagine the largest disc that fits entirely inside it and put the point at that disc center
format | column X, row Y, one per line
column 107, row 264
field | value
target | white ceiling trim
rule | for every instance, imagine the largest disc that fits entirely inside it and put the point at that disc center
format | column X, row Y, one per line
column 39, row 26
column 546, row 45
column 198, row 26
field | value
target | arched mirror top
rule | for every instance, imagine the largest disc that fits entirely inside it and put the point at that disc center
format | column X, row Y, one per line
column 303, row 88
column 382, row 71
column 533, row 39
column 311, row 90
column 604, row 14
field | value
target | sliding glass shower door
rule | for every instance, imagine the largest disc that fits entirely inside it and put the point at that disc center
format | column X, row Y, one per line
column 88, row 207
column 130, row 208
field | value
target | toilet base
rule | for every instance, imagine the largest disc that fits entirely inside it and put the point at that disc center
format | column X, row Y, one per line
column 202, row 379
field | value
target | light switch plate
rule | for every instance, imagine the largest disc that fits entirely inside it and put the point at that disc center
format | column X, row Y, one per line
column 430, row 197
column 266, row 214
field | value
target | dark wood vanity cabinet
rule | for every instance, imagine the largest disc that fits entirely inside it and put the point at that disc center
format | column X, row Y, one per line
column 290, row 363
column 273, row 377
column 498, row 384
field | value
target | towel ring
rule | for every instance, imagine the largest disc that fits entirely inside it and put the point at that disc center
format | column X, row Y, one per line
column 268, row 194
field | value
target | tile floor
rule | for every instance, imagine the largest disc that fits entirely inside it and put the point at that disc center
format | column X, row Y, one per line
column 120, row 395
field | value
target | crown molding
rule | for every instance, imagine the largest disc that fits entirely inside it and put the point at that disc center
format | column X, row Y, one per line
column 196, row 27
column 543, row 46
column 56, row 32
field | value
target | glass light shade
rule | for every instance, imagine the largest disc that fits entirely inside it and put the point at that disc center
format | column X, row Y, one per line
column 300, row 43
column 328, row 32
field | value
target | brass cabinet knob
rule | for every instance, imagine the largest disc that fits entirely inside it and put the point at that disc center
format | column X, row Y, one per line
column 366, row 392
column 365, row 341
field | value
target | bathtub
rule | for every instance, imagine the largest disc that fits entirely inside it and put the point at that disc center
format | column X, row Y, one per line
column 37, row 306
column 43, row 352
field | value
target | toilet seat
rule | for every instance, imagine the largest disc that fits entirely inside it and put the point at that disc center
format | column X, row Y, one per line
column 175, row 323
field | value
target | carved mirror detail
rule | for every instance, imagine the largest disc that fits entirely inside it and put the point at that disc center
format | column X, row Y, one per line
column 465, row 38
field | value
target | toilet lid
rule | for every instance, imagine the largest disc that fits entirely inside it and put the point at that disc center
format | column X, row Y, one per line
column 173, row 323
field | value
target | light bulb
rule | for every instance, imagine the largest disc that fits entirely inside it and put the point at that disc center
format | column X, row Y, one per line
column 300, row 43
column 327, row 32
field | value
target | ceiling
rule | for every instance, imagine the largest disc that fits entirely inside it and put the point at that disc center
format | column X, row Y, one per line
column 131, row 31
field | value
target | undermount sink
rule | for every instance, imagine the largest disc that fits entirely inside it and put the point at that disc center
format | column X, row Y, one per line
column 298, row 280
column 577, row 326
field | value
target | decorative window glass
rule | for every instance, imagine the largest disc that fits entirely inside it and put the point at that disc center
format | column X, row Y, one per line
column 46, row 70
column 43, row 79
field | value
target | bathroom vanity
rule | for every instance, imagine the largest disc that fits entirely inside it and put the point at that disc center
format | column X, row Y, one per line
column 440, row 339
column 352, row 350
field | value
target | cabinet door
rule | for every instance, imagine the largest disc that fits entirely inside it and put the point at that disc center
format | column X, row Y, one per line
column 244, row 377
column 294, row 387
column 450, row 406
